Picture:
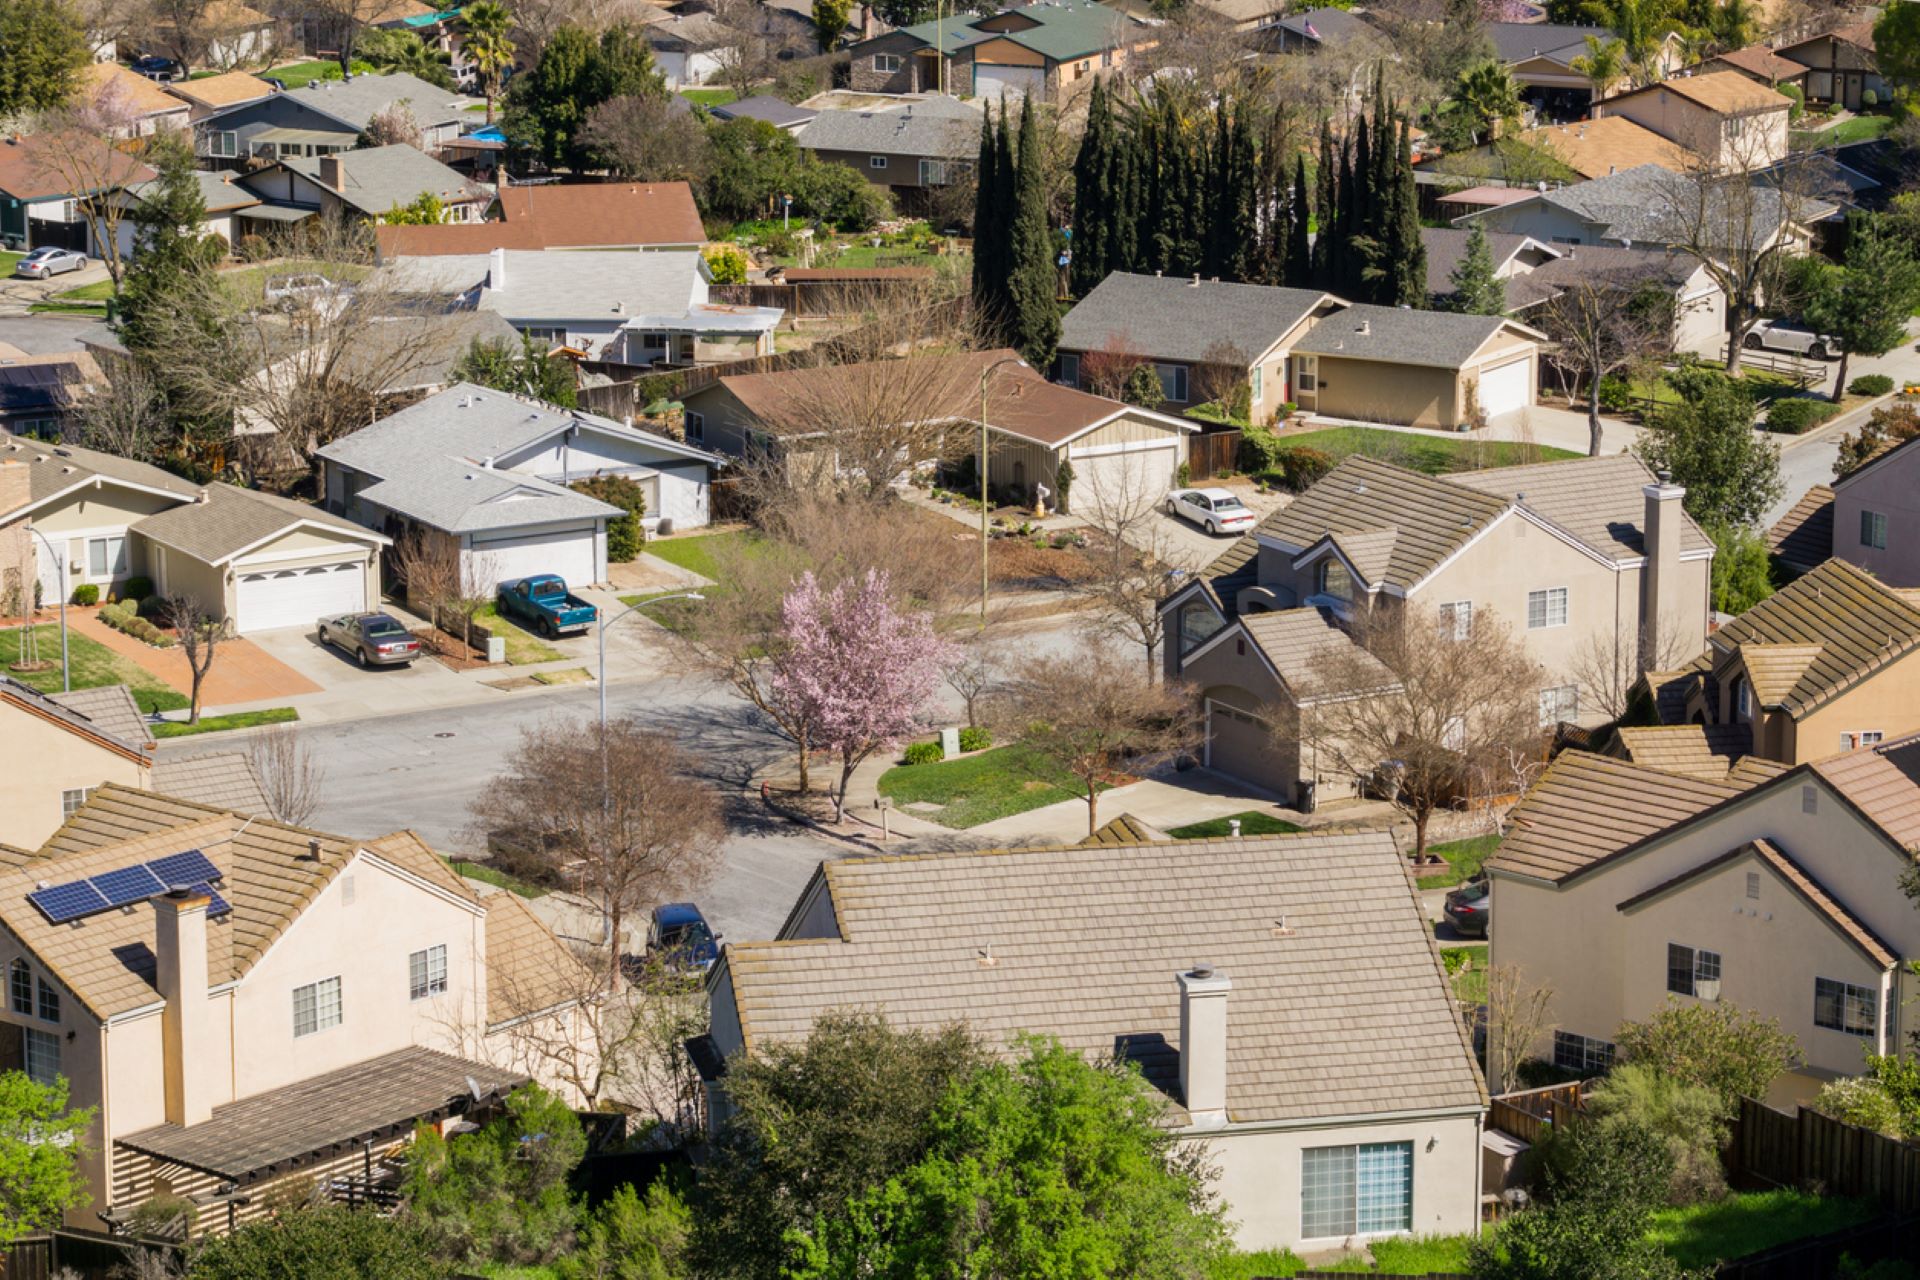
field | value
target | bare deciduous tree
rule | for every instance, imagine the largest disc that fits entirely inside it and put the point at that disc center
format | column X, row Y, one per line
column 199, row 634
column 1105, row 372
column 1603, row 323
column 641, row 138
column 444, row 581
column 1518, row 1014
column 394, row 125
column 289, row 774
column 1129, row 559
column 76, row 154
column 757, row 39
column 973, row 675
column 128, row 418
column 1610, row 663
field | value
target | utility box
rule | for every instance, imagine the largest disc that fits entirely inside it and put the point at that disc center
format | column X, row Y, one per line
column 949, row 743
column 496, row 649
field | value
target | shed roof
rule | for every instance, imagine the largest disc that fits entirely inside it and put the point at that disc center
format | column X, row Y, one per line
column 1186, row 318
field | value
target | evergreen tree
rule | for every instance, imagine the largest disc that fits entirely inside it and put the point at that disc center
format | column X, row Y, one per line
column 1326, row 204
column 988, row 236
column 1034, row 316
column 1123, row 232
column 1299, row 273
column 1409, row 250
column 1346, row 262
column 1476, row 290
column 1240, row 250
column 1094, row 211
column 1361, row 207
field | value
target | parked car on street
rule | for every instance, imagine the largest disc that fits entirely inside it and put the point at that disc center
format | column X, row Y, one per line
column 375, row 639
column 1469, row 909
column 544, row 603
column 1215, row 510
column 680, row 936
column 1774, row 335
column 46, row 262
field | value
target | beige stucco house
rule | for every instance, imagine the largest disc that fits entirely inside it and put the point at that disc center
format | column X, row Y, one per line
column 1867, row 517
column 247, row 1002
column 1623, row 887
column 1726, row 119
column 1307, row 1039
column 1594, row 556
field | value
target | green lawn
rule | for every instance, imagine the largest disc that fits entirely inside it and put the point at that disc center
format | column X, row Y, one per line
column 1467, row 967
column 491, row 875
column 98, row 291
column 297, row 74
column 524, row 649
column 977, row 789
column 94, row 665
column 709, row 97
column 1252, row 823
column 1427, row 1255
column 865, row 256
column 1279, row 1263
column 220, row 724
column 1463, row 860
column 702, row 554
column 7, row 262
column 1855, row 129
column 1431, row 453
column 1748, row 1222
column 67, row 308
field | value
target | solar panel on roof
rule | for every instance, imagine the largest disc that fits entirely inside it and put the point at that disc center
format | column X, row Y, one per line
column 128, row 885
column 217, row 906
column 190, row 867
column 64, row 902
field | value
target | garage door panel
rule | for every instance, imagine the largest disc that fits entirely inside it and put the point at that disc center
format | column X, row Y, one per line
column 1504, row 388
column 1128, row 482
column 992, row 82
column 272, row 598
column 567, row 552
column 1241, row 745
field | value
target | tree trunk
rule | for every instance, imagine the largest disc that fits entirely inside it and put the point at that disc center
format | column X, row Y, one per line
column 1421, row 816
column 193, row 707
column 1093, row 806
column 1840, row 376
column 805, row 775
column 1150, row 667
column 1735, row 336
column 847, row 763
column 613, row 914
column 1593, row 419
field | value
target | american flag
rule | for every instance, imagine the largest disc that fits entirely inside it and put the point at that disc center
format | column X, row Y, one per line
column 1312, row 32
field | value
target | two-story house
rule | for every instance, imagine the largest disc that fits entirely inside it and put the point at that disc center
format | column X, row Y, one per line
column 1623, row 888
column 1868, row 517
column 1050, row 50
column 325, row 117
column 1727, row 119
column 906, row 148
column 1842, row 66
column 1594, row 555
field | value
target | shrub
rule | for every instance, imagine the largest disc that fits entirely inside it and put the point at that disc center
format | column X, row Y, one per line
column 1796, row 98
column 122, row 619
column 1259, row 451
column 1688, row 1116
column 625, row 536
column 137, row 588
column 1286, row 409
column 1184, row 476
column 975, row 738
column 1062, row 484
column 924, row 753
column 1796, row 414
column 1870, row 384
column 1732, row 1051
column 727, row 262
column 1869, row 98
column 1616, row 395
column 150, row 606
column 1303, row 465
column 1863, row 1101
column 781, row 244
column 86, row 595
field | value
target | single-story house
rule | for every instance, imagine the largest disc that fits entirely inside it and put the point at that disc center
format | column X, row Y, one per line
column 369, row 182
column 1842, row 66
column 256, row 560
column 493, row 471
column 1050, row 50
column 216, row 93
column 1311, row 30
column 1763, row 66
column 225, row 34
column 1539, row 56
column 573, row 215
column 928, row 142
column 615, row 307
column 37, row 206
column 688, row 48
column 1421, row 368
column 1119, row 452
column 325, row 117
column 229, row 206
column 1725, row 118
column 1304, row 1041
column 41, row 395
column 777, row 112
column 1868, row 517
column 137, row 106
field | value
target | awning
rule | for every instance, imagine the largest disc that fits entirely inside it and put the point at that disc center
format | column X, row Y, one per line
column 273, row 1133
column 275, row 213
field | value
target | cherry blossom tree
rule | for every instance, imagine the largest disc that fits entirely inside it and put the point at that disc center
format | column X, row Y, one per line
column 861, row 667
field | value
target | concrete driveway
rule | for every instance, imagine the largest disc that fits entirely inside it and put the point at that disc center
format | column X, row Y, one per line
column 18, row 295
column 1191, row 547
column 381, row 689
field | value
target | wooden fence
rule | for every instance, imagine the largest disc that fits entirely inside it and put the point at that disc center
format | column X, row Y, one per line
column 1807, row 1148
column 91, row 1255
column 1531, row 1114
column 1212, row 453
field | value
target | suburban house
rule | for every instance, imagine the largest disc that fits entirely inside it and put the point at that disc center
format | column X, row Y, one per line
column 233, row 212
column 605, row 215
column 1841, row 66
column 256, row 560
column 493, row 472
column 614, row 307
column 1539, row 56
column 1120, row 453
column 368, row 182
column 1596, row 148
column 66, row 745
column 1535, row 273
column 325, row 117
column 688, row 48
column 1867, row 517
column 225, row 34
column 1192, row 331
column 37, row 205
column 133, row 106
column 766, row 108
column 1727, row 119
column 1311, row 30
column 1305, row 1040
column 1762, row 65
column 42, row 395
column 1625, row 888
column 1419, row 368
column 255, row 1009
column 216, row 93
column 928, row 142
column 1823, row 665
column 1050, row 50
column 1573, row 556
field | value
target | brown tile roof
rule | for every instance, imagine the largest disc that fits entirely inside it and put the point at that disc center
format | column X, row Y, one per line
column 590, row 213
column 1758, row 60
column 135, row 91
column 112, row 710
column 1301, row 643
column 1775, row 669
column 1343, row 1011
column 1883, row 782
column 224, row 779
column 1705, row 751
column 30, row 167
column 268, row 1134
column 1587, row 808
column 529, row 970
column 1232, row 570
column 1597, row 500
column 1127, row 829
column 1727, row 92
column 1611, row 144
column 224, row 90
column 1803, row 537
column 53, row 710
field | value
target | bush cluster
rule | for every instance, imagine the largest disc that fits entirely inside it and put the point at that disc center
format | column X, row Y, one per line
column 1302, row 466
column 924, row 753
column 86, row 595
column 1870, row 384
column 625, row 535
column 151, row 607
column 1796, row 414
column 975, row 738
column 122, row 618
column 137, row 588
column 1259, row 451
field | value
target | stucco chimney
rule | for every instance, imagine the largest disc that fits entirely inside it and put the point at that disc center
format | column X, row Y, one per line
column 330, row 172
column 180, row 955
column 497, row 269
column 1660, row 584
column 1203, row 1044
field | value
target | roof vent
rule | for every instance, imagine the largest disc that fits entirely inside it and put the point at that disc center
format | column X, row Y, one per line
column 1196, row 280
column 1360, row 486
column 1365, row 328
column 313, row 849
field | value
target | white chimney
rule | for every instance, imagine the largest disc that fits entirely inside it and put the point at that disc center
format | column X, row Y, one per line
column 1661, row 585
column 1203, row 1045
column 497, row 269
column 180, row 963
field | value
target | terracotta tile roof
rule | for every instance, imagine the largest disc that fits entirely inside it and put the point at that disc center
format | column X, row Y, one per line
column 1127, row 829
column 1610, row 144
column 75, row 719
column 30, row 169
column 1883, row 782
column 223, row 779
column 224, row 90
column 529, row 970
column 607, row 213
column 1727, row 92
column 1803, row 537
column 1775, row 669
column 135, row 91
column 1343, row 1011
column 1691, row 750
column 1600, row 501
column 1758, row 60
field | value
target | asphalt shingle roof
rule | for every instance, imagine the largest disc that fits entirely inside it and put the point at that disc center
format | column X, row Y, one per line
column 360, row 99
column 233, row 519
column 1068, row 29
column 764, row 106
column 1446, row 246
column 940, row 128
column 582, row 284
column 1646, row 204
column 1175, row 319
column 59, row 467
column 1446, row 339
column 1558, row 42
column 375, row 179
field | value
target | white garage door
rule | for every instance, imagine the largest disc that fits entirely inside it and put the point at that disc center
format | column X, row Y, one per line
column 993, row 83
column 568, row 553
column 1504, row 388
column 1132, row 481
column 299, row 597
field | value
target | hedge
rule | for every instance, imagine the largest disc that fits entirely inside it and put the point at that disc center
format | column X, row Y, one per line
column 1796, row 414
column 1870, row 384
column 87, row 594
column 136, row 588
column 1303, row 466
column 122, row 619
column 924, row 753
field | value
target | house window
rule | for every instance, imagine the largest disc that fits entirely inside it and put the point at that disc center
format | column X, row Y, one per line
column 1086, row 65
column 49, row 1001
column 1173, row 381
column 20, row 982
column 1559, row 705
column 933, row 173
column 1582, row 1055
column 316, row 1007
column 38, row 428
column 697, row 427
column 1456, row 619
column 70, row 801
column 1069, row 369
column 552, row 337
column 653, row 341
column 106, row 557
column 1841, row 1006
column 1742, row 698
column 1359, row 1190
column 1861, row 738
column 1106, row 58
column 1693, row 973
column 876, row 162
column 887, row 62
column 221, row 143
column 1332, row 579
column 1873, row 530
column 1547, row 608
column 43, row 1055
column 1254, row 382
column 1306, row 373
column 1198, row 624
column 427, row 973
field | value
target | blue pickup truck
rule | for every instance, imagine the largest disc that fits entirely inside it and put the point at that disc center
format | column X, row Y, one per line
column 544, row 603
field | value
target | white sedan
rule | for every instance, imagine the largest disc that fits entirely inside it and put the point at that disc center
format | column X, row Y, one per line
column 1215, row 510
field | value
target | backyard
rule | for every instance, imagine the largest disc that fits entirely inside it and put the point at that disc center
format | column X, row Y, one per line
column 1852, row 129
column 1423, row 451
column 1464, row 858
column 980, row 788
column 94, row 665
column 296, row 75
column 1252, row 823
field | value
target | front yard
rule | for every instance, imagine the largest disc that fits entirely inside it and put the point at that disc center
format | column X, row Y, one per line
column 220, row 724
column 1433, row 453
column 704, row 553
column 979, row 788
column 524, row 649
column 94, row 665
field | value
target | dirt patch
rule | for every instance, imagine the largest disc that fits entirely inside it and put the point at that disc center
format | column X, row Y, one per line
column 512, row 683
column 1016, row 562
column 450, row 650
column 572, row 675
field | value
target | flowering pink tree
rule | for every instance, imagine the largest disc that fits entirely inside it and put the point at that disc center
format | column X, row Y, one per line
column 861, row 668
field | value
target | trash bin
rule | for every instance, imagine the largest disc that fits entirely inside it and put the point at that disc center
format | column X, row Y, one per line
column 1304, row 790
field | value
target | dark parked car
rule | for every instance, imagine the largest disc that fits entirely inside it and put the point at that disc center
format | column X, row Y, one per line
column 156, row 68
column 1469, row 908
column 374, row 638
column 680, row 936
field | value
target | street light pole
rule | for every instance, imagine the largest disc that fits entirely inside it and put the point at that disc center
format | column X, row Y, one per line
column 985, row 374
column 682, row 595
column 66, row 668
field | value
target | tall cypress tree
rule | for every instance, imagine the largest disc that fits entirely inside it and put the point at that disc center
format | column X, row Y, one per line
column 1299, row 269
column 988, row 235
column 1346, row 261
column 1409, row 250
column 1123, row 245
column 1242, row 250
column 1094, row 208
column 1035, row 314
column 1326, row 205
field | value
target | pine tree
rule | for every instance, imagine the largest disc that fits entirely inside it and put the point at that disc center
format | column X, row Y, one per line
column 1034, row 315
column 1476, row 290
column 1409, row 250
column 989, row 236
column 1299, row 273
column 1094, row 209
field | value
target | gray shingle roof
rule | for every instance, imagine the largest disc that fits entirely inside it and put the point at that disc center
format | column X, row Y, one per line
column 1175, row 319
column 1560, row 42
column 1332, row 25
column 375, row 179
column 1068, row 29
column 358, row 100
column 1649, row 204
column 940, row 128
column 582, row 284
column 764, row 106
column 1446, row 246
column 59, row 467
column 233, row 519
column 1600, row 262
column 1446, row 339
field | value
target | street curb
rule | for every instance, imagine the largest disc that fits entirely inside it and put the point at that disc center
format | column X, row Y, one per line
column 800, row 818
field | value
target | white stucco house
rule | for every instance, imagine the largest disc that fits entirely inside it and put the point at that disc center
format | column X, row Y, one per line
column 494, row 471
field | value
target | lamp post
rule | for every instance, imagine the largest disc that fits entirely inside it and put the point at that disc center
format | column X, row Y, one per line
column 66, row 668
column 632, row 608
column 985, row 374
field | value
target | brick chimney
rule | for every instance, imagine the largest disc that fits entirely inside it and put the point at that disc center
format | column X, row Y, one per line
column 330, row 172
column 1662, row 605
column 180, row 954
column 1203, row 1044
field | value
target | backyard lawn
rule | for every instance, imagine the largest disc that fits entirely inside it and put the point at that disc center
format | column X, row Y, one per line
column 1252, row 823
column 1467, row 970
column 709, row 97
column 93, row 665
column 979, row 788
column 1431, row 453
column 1854, row 129
column 1463, row 860
column 524, row 649
column 1750, row 1221
column 1427, row 1255
column 297, row 74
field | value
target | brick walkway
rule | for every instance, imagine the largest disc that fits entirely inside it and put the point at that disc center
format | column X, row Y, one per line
column 242, row 670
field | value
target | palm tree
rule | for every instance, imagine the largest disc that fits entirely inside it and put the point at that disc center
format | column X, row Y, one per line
column 1604, row 62
column 1487, row 94
column 489, row 43
column 417, row 58
column 1638, row 23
